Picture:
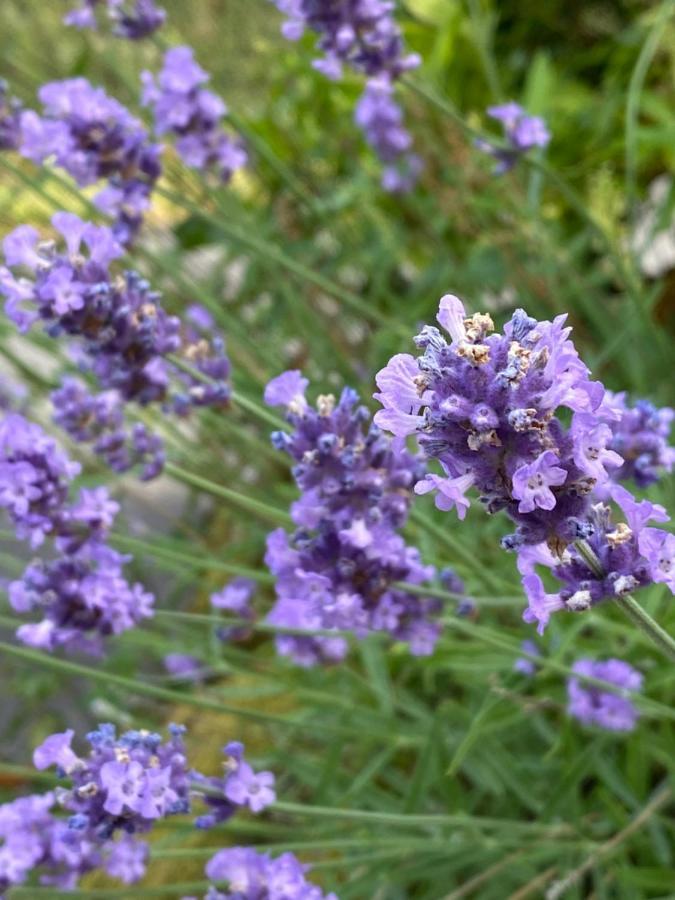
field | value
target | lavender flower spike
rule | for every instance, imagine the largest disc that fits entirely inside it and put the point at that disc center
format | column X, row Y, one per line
column 640, row 434
column 484, row 404
column 184, row 108
column 521, row 131
column 337, row 571
column 134, row 19
column 251, row 875
column 94, row 138
column 33, row 838
column 631, row 555
column 593, row 706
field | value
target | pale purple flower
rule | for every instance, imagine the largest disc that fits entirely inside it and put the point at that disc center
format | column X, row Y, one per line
column 251, row 875
column 532, row 483
column 245, row 787
column 131, row 19
column 337, row 571
column 522, row 132
column 192, row 114
column 606, row 709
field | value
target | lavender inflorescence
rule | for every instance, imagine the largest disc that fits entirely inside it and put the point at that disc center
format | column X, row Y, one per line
column 131, row 19
column 337, row 571
column 363, row 35
column 592, row 705
column 120, row 789
column 251, row 875
column 522, row 132
column 183, row 107
column 95, row 138
column 36, row 839
column 81, row 593
column 640, row 434
column 486, row 406
column 125, row 336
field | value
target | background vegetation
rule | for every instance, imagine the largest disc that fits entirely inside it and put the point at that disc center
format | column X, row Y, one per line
column 307, row 263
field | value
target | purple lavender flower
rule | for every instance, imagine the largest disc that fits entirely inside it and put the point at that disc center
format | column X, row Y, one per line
column 359, row 33
column 640, row 434
column 126, row 338
column 184, row 666
column 256, row 876
column 134, row 20
column 83, row 598
column 521, row 131
column 523, row 664
column 381, row 120
column 10, row 119
column 485, row 406
column 99, row 419
column 95, row 138
column 338, row 570
column 630, row 554
column 82, row 593
column 34, row 479
column 184, row 108
column 593, row 706
column 240, row 786
column 35, row 840
column 235, row 598
column 363, row 35
column 123, row 784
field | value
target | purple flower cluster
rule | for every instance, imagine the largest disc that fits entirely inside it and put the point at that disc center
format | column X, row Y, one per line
column 239, row 786
column 99, row 420
column 35, row 475
column 35, row 839
column 235, row 598
column 594, row 706
column 127, row 783
column 118, row 790
column 630, row 555
column 94, row 138
column 123, row 784
column 184, row 108
column 381, row 120
column 251, row 875
column 359, row 33
column 82, row 593
column 485, row 404
column 125, row 335
column 521, row 131
column 640, row 434
column 363, row 34
column 132, row 20
column 10, row 119
column 338, row 570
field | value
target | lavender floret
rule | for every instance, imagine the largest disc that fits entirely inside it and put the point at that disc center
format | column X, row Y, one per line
column 133, row 20
column 593, row 706
column 251, row 875
column 521, row 131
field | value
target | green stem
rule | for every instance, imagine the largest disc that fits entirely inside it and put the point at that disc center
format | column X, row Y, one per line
column 257, row 507
column 635, row 86
column 407, row 819
column 140, row 687
column 169, row 554
column 636, row 613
